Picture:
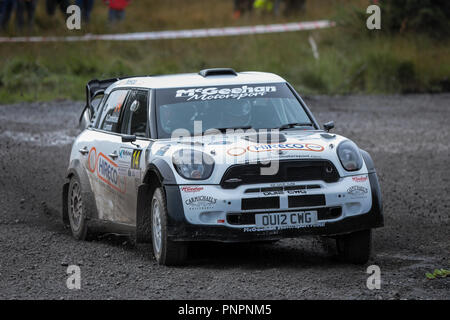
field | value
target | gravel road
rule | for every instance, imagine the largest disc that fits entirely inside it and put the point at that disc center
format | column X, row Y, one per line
column 408, row 137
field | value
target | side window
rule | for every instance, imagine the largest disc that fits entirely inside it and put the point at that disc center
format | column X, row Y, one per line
column 110, row 115
column 97, row 101
column 135, row 117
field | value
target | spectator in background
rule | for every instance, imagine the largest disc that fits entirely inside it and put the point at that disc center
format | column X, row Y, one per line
column 52, row 4
column 8, row 7
column 86, row 8
column 116, row 10
column 275, row 6
column 241, row 6
column 293, row 6
column 28, row 7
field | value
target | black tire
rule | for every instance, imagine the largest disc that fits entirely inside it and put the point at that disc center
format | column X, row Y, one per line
column 355, row 247
column 166, row 252
column 77, row 210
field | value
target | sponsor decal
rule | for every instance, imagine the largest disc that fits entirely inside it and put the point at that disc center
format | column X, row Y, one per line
column 238, row 151
column 162, row 151
column 287, row 147
column 92, row 158
column 191, row 189
column 112, row 119
column 117, row 109
column 273, row 193
column 357, row 190
column 125, row 154
column 107, row 171
column 282, row 184
column 279, row 228
column 219, row 143
column 131, row 82
column 224, row 93
column 235, row 152
column 201, row 202
column 300, row 191
column 360, row 179
column 129, row 162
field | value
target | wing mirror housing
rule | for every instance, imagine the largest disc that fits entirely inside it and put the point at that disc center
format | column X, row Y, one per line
column 328, row 126
column 128, row 138
column 134, row 106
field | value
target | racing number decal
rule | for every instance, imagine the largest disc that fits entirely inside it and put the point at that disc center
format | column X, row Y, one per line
column 136, row 159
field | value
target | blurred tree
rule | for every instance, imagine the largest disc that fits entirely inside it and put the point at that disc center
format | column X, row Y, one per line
column 424, row 16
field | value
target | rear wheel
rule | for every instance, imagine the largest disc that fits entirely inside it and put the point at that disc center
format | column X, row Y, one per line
column 165, row 251
column 77, row 210
column 355, row 247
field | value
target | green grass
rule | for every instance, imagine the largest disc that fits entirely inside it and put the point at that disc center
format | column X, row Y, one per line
column 351, row 59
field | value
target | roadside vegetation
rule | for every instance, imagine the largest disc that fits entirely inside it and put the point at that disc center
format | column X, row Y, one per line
column 402, row 57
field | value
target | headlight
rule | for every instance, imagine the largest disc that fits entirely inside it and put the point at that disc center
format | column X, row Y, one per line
column 193, row 164
column 349, row 156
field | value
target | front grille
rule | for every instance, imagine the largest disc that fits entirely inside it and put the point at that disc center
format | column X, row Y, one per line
column 313, row 200
column 297, row 170
column 248, row 218
column 260, row 203
column 289, row 189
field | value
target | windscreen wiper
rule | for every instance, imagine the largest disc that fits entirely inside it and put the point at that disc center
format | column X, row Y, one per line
column 295, row 124
column 234, row 128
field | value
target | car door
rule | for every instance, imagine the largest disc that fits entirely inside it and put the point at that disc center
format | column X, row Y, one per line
column 133, row 122
column 108, row 185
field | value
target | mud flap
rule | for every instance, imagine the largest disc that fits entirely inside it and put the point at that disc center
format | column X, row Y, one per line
column 65, row 209
column 143, row 219
column 377, row 202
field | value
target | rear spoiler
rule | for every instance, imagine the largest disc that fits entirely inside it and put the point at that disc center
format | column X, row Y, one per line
column 93, row 89
column 96, row 87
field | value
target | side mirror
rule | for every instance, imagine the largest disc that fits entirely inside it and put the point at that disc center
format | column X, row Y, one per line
column 128, row 138
column 85, row 118
column 328, row 126
column 134, row 106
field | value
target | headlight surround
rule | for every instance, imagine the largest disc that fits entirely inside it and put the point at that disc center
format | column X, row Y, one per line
column 193, row 164
column 349, row 156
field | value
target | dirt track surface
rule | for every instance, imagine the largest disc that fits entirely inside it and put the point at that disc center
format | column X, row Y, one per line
column 408, row 137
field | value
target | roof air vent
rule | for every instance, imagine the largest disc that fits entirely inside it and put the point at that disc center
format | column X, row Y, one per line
column 217, row 72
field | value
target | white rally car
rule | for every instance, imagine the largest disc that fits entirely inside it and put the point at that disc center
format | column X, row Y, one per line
column 215, row 156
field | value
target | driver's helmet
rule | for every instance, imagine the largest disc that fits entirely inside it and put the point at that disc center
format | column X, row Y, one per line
column 236, row 111
column 175, row 117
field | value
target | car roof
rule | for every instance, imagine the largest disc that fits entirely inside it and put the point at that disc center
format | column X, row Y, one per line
column 195, row 80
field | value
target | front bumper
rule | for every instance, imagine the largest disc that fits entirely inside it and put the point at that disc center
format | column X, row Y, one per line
column 187, row 226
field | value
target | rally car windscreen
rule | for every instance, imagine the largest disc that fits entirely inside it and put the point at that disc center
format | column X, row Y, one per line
column 256, row 106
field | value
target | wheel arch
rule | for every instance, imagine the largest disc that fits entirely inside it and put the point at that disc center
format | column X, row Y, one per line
column 157, row 174
column 368, row 161
column 76, row 169
column 377, row 200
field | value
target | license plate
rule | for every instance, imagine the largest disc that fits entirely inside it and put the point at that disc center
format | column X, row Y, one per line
column 286, row 220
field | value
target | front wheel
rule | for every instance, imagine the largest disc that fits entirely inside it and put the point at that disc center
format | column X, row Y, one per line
column 355, row 247
column 166, row 252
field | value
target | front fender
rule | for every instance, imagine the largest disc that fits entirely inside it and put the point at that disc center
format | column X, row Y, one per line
column 368, row 160
column 377, row 201
column 158, row 173
column 163, row 170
